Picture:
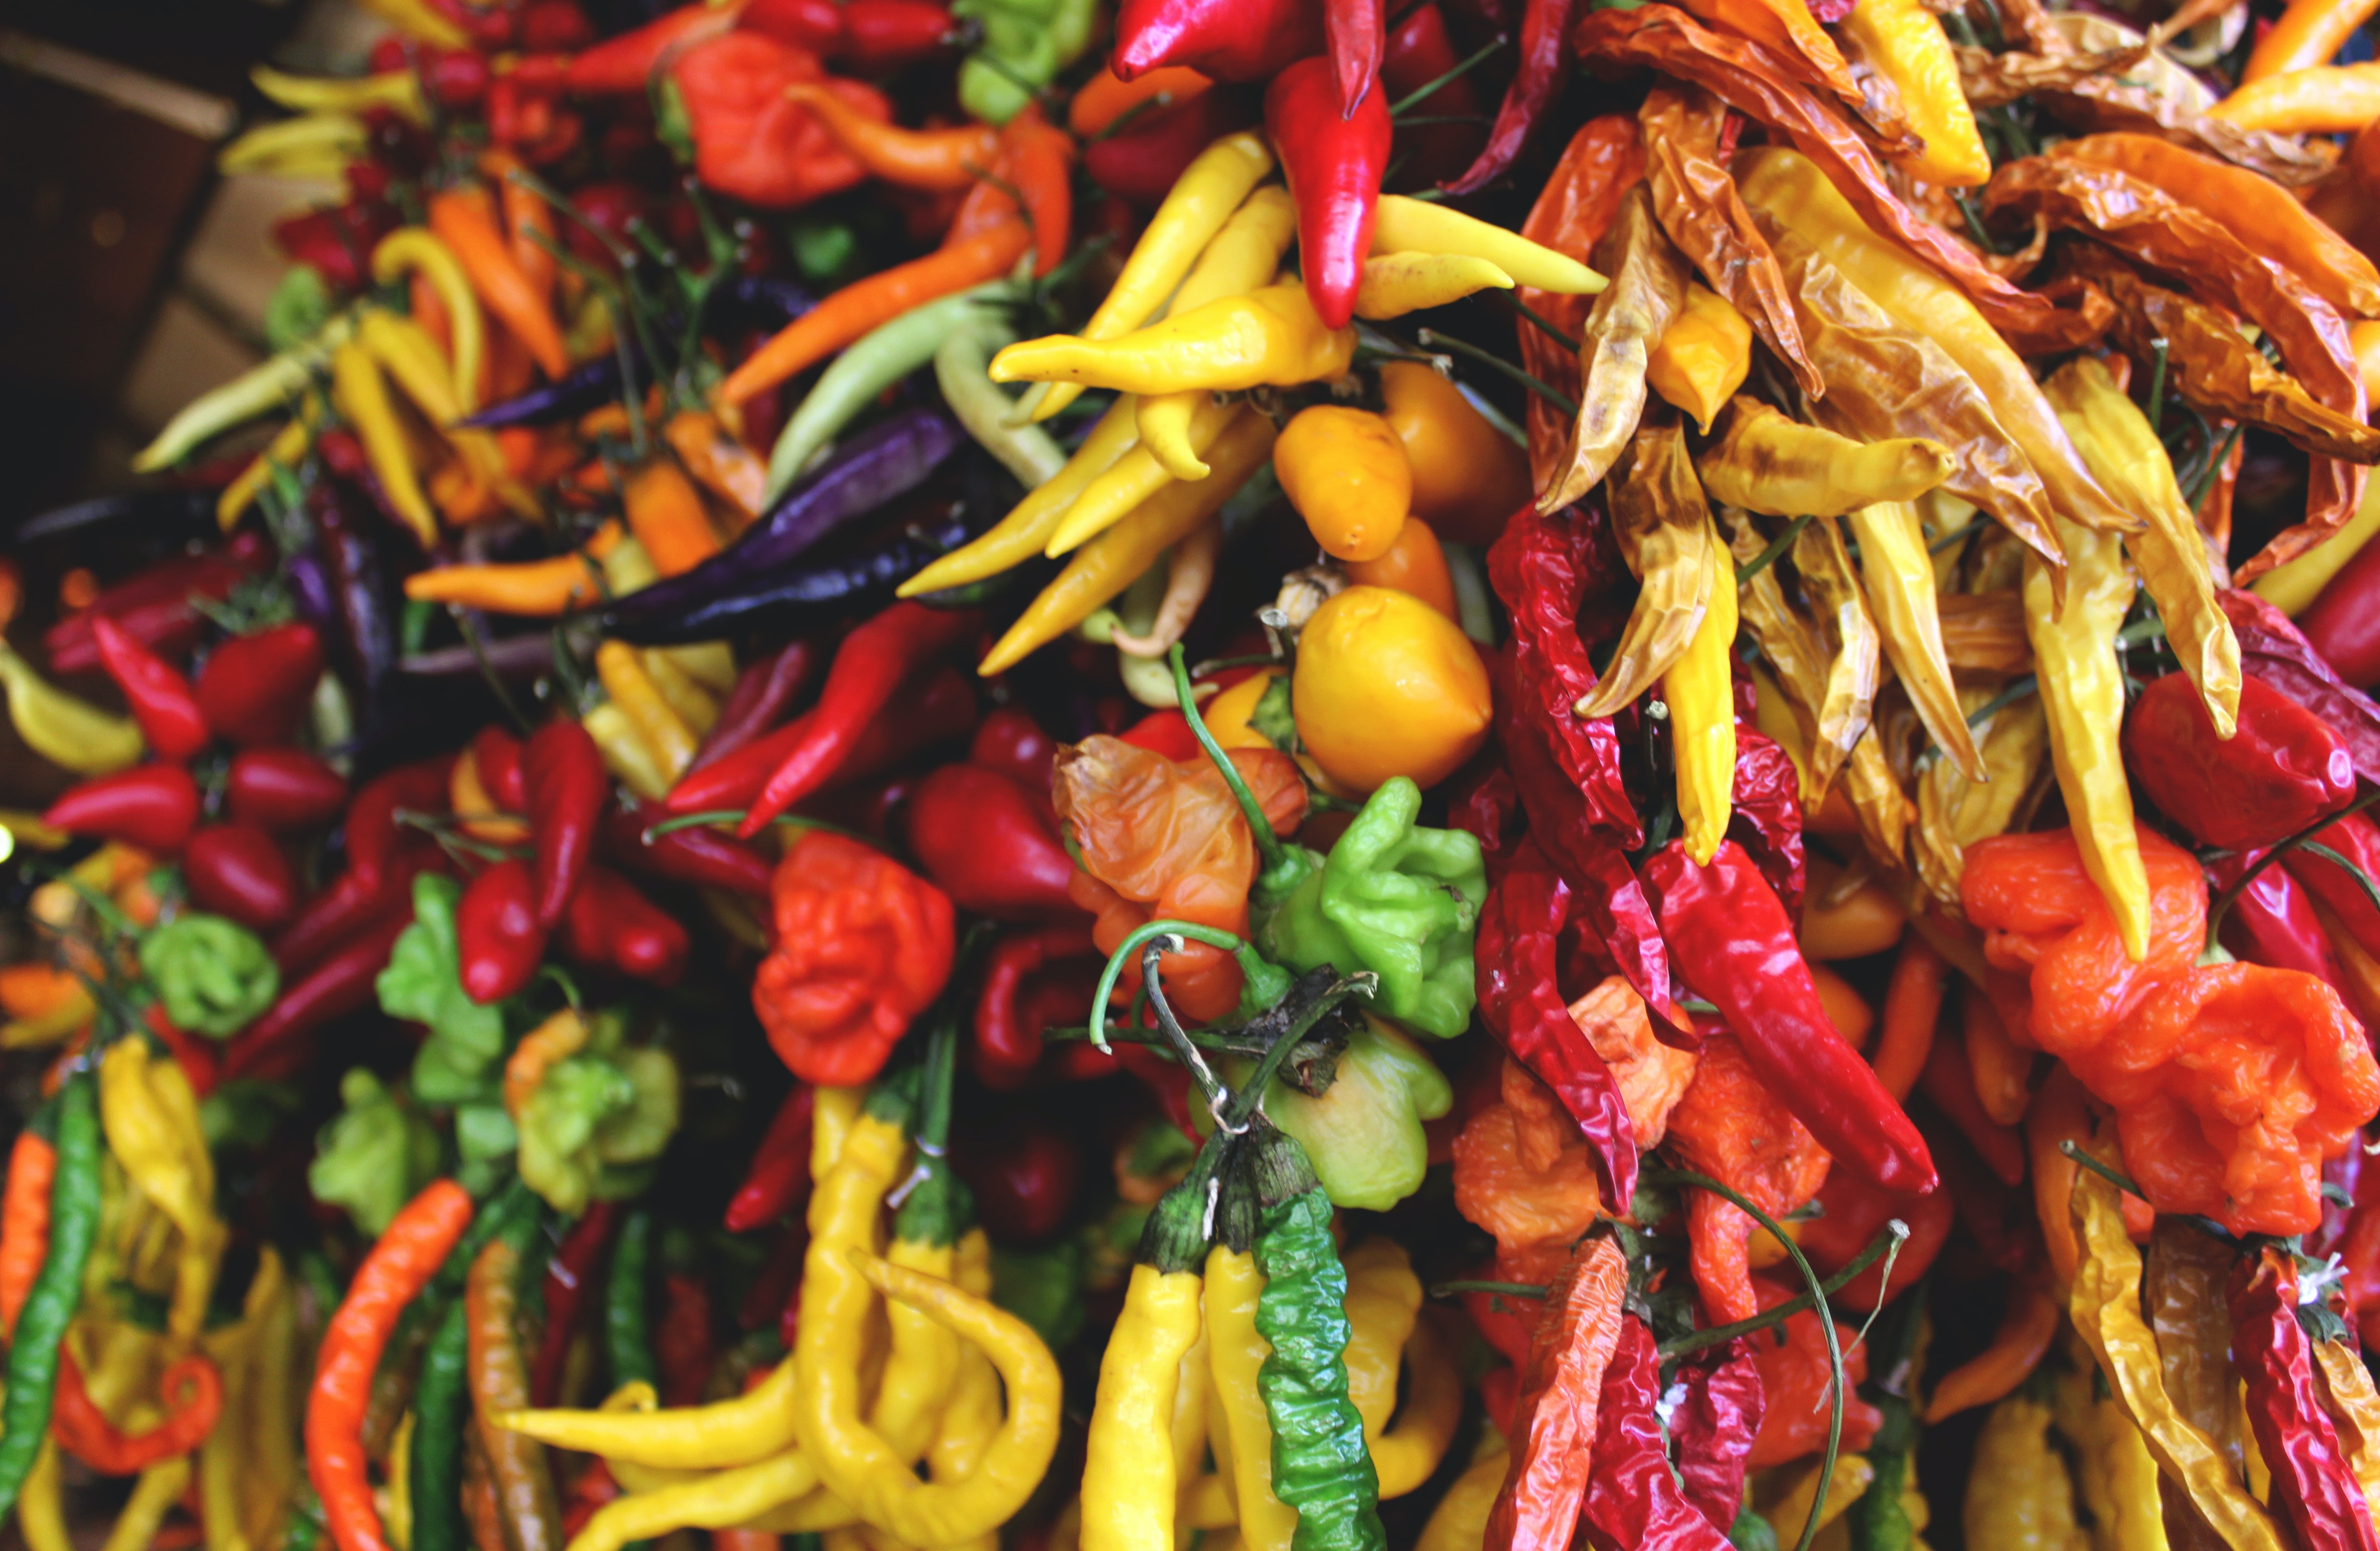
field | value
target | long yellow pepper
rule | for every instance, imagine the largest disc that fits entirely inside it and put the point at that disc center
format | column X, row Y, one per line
column 1134, row 477
column 1405, row 226
column 1407, row 1455
column 1903, row 42
column 151, row 1116
column 286, row 449
column 2083, row 689
column 726, row 1434
column 417, row 247
column 1898, row 578
column 1241, row 258
column 1459, row 1522
column 922, row 1365
column 2019, row 1493
column 361, row 395
column 1023, row 532
column 1764, row 461
column 2118, row 1479
column 668, row 739
column 1699, row 691
column 836, row 1304
column 1270, row 337
column 716, row 1501
column 1664, row 531
column 1383, row 1300
column 971, row 1417
column 1233, row 1287
column 63, row 729
column 1129, row 1485
column 1200, row 201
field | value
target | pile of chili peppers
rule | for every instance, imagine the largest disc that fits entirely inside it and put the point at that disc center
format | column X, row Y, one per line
column 928, row 777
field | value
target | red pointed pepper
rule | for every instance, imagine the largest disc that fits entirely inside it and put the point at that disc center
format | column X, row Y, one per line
column 569, row 1274
column 1226, row 39
column 1357, row 37
column 939, row 708
column 1545, row 64
column 340, row 984
column 1419, row 51
column 2356, row 839
column 237, row 870
column 2281, row 772
column 566, row 786
column 1334, row 165
column 764, row 692
column 2272, row 922
column 879, row 37
column 372, row 832
column 495, row 922
column 159, row 697
column 703, row 857
column 780, row 1174
column 611, row 925
column 153, row 806
column 255, row 688
column 2311, row 1481
column 157, row 607
column 287, row 791
column 980, row 836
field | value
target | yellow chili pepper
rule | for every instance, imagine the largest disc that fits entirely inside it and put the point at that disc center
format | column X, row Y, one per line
column 397, row 90
column 2118, row 1479
column 836, row 1304
column 2318, row 99
column 2124, row 453
column 1382, row 1302
column 1407, row 1455
column 689, row 696
column 1134, row 477
column 155, row 1493
column 1404, row 225
column 1025, row 530
column 151, row 1116
column 716, row 1501
column 1201, row 200
column 1853, row 1476
column 749, row 1428
column 1903, row 42
column 1241, row 258
column 1699, row 690
column 1111, row 562
column 2354, row 1407
column 417, row 247
column 1396, row 283
column 286, row 449
column 1702, row 357
column 2106, row 1307
column 40, row 1503
column 922, row 1365
column 270, row 384
column 1232, row 1286
column 2019, row 1494
column 1187, row 1427
column 2082, row 690
column 1459, row 1522
column 1900, row 584
column 1270, row 337
column 63, row 729
column 313, row 145
column 1346, row 473
column 971, row 1415
column 362, row 397
column 670, row 741
column 1664, row 531
column 2293, row 585
column 1954, row 811
column 1764, row 461
column 625, row 753
column 1129, row 1485
column 1384, row 686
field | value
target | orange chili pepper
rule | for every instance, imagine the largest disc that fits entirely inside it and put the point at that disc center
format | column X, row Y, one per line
column 1414, row 563
column 721, row 464
column 2017, row 1349
column 84, row 1431
column 528, row 216
column 2003, row 1073
column 465, row 220
column 24, row 1222
column 1039, row 158
column 28, row 990
column 861, row 307
column 2309, row 33
column 665, row 514
column 1104, row 99
column 1912, row 1002
column 536, row 589
column 929, row 159
column 559, row 1036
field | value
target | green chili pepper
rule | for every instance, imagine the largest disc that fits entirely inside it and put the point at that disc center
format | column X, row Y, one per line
column 962, row 366
column 1025, row 43
column 1363, row 1133
column 212, row 976
column 627, row 1341
column 441, row 1402
column 42, row 1323
column 1397, row 900
column 1320, row 1466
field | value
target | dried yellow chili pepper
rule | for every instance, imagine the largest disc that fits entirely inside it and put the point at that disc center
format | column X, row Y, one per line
column 1647, row 292
column 1841, row 614
column 1764, row 461
column 1954, row 811
column 2019, row 1494
column 1899, row 575
column 1702, row 357
column 1903, row 42
column 1664, row 530
column 1699, row 690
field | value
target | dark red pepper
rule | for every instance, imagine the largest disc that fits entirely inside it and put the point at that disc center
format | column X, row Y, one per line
column 2271, row 922
column 780, row 1175
column 1544, row 568
column 1735, row 944
column 159, row 697
column 882, row 36
column 1166, row 733
column 811, row 24
column 1013, row 744
column 623, row 65
column 1417, row 52
column 372, row 829
column 980, row 835
column 1140, row 163
column 1007, row 1039
column 1226, row 40
column 1357, row 36
column 496, row 754
column 555, row 26
column 566, row 786
column 2311, row 1481
column 496, row 926
column 158, row 608
column 942, row 708
column 610, row 925
column 684, row 1349
column 287, row 791
column 700, row 856
column 1720, row 1402
column 570, row 1271
column 1767, row 819
column 2343, row 621
column 153, row 806
column 348, row 907
column 2356, row 839
column 764, row 692
column 1633, row 1498
column 2272, row 648
column 1024, row 1176
column 237, row 870
column 1545, row 64
column 340, row 984
column 256, row 688
column 1334, row 164
column 2281, row 772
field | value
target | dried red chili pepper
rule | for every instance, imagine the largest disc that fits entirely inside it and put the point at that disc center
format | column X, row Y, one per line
column 1544, row 569
column 1798, row 1382
column 1557, row 1418
column 287, row 791
column 1545, row 62
column 1008, row 1042
column 1632, row 1499
column 1735, row 1126
column 161, row 699
column 255, row 688
column 192, row 1389
column 780, row 1172
column 1356, row 38
column 2324, row 1501
column 565, row 785
column 153, row 806
column 2356, row 838
column 1714, row 1422
column 1334, row 157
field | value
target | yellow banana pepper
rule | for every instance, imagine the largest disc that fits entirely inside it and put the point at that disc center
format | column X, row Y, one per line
column 1764, row 461
column 396, row 90
column 668, row 741
column 1134, row 477
column 1954, row 812
column 272, row 383
column 1232, row 1286
column 312, row 145
column 1396, row 283
column 1404, row 225
column 2019, row 1494
column 1899, row 575
column 1702, row 357
column 624, row 752
column 1242, row 256
column 745, row 1430
column 718, row 1500
column 361, row 395
column 1700, row 693
column 417, row 247
column 1664, row 531
column 63, row 729
column 151, row 1116
column 1382, row 1302
column 155, row 1493
column 1270, row 337
column 922, row 1365
column 286, row 449
column 1903, row 42
column 2118, row 1479
column 1129, row 1483
column 1023, row 532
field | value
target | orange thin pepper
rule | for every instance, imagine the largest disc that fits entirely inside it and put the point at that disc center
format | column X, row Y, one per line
column 2309, row 33
column 28, row 990
column 2003, row 1073
column 863, row 306
column 665, row 514
column 465, row 220
column 1912, row 1002
column 2017, row 1349
column 24, row 1222
column 536, row 588
column 936, row 160
column 527, row 216
column 1038, row 158
column 718, row 463
column 1104, row 99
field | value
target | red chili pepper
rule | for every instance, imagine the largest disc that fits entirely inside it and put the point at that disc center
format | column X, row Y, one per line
column 1735, row 944
column 157, row 607
column 566, row 786
column 153, row 806
column 611, row 925
column 882, row 36
column 283, row 790
column 159, row 697
column 555, row 26
column 1007, row 1044
column 569, row 1271
column 196, row 1057
column 940, row 709
column 764, row 692
column 2356, row 839
column 497, row 756
column 780, row 1175
column 1520, row 927
column 256, row 688
column 348, row 906
column 1544, row 568
column 1334, row 164
column 870, row 666
column 1140, row 163
column 1023, row 1177
column 1545, row 65
column 238, row 871
column 1714, row 1422
column 1564, row 1394
column 1165, row 732
column 339, row 984
column 2272, row 922
column 2282, row 771
column 1853, row 1213
column 372, row 832
column 2324, row 1501
column 703, row 857
column 2343, row 621
column 1417, row 52
column 2273, row 649
column 980, row 834
column 496, row 926
column 684, row 1348
column 1009, row 741
column 1631, row 1496
column 1226, row 39
column 811, row 24
column 624, row 65
column 191, row 1385
column 1356, row 36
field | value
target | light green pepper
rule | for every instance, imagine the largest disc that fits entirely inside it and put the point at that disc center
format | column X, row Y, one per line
column 1363, row 1135
column 1025, row 43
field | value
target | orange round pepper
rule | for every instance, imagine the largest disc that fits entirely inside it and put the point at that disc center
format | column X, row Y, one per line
column 1347, row 473
column 1415, row 564
column 1386, row 685
column 1467, row 476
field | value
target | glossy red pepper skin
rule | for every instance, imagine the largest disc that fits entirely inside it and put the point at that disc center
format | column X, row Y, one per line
column 1417, row 52
column 1633, row 1498
column 1545, row 60
column 2272, row 648
column 1024, row 1175
column 683, row 1346
column 159, row 697
column 870, row 666
column 780, row 1174
column 700, row 856
column 2271, row 921
column 256, row 688
column 611, row 926
column 940, row 709
column 1140, row 163
column 340, row 983
column 2356, row 838
column 1722, row 1400
column 153, row 806
column 980, row 834
column 1225, row 40
column 157, row 607
column 497, row 755
column 1357, row 36
column 1853, row 1213
column 2311, row 1481
column 372, row 832
column 1007, row 1036
column 1334, row 164
column 879, row 37
column 2343, row 621
column 1013, row 744
column 1166, row 733
column 287, row 791
column 765, row 691
column 2281, row 772
column 496, row 925
column 811, row 24
column 570, row 1271
column 348, row 907
column 566, row 785
column 1735, row 944
column 623, row 64
column 237, row 870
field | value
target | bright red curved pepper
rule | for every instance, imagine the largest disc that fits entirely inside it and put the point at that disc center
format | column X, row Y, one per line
column 2282, row 771
column 566, row 785
column 624, row 65
column 159, row 697
column 2313, row 1483
column 2356, row 839
column 340, row 982
column 2272, row 922
column 779, row 1173
column 611, row 925
column 1545, row 60
column 237, row 870
column 879, row 37
column 1334, row 161
column 153, row 806
column 287, row 791
column 864, row 945
column 256, row 688
column 497, row 930
column 937, row 710
column 372, row 832
column 84, row 1431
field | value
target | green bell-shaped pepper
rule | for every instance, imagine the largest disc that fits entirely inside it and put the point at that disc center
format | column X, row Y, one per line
column 1363, row 1135
column 374, row 1155
column 1399, row 900
column 212, row 976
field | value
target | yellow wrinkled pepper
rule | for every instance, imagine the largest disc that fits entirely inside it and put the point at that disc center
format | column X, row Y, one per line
column 1700, row 693
column 2118, row 1479
column 1898, row 578
column 1764, row 461
column 1346, row 473
column 1954, row 812
column 1702, row 357
column 1270, row 337
column 1664, row 530
column 1129, row 1488
column 2020, row 1495
column 1903, row 42
column 1396, row 283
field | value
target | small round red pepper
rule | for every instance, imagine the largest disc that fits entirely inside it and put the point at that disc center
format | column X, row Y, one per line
column 2282, row 771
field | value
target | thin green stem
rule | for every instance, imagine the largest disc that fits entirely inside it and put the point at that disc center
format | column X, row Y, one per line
column 1185, row 930
column 1894, row 1234
column 2158, row 348
column 1508, row 1289
column 1397, row 109
column 1534, row 316
column 1268, row 842
column 1776, row 549
column 2223, row 902
column 1554, row 396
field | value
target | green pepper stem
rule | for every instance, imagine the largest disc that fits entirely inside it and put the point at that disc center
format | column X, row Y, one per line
column 1545, row 323
column 2158, row 348
column 1428, row 88
column 1888, row 1241
column 1187, row 930
column 1837, row 1390
column 1183, row 1048
column 2223, row 902
column 1553, row 395
column 1508, row 1289
column 1268, row 842
column 1776, row 549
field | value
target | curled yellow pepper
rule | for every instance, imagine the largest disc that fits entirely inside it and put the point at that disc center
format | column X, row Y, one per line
column 417, row 247
column 63, row 729
column 1766, row 461
column 1664, row 529
column 1404, row 225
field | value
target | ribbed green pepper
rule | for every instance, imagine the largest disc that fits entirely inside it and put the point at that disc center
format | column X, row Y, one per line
column 1364, row 1133
column 50, row 1306
column 212, row 976
column 1025, row 43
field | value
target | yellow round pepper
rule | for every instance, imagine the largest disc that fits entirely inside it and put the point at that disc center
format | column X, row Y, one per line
column 1347, row 473
column 1467, row 476
column 1702, row 357
column 1386, row 685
